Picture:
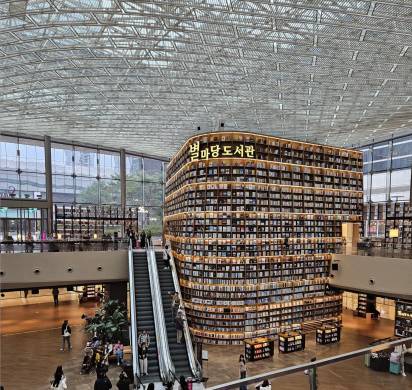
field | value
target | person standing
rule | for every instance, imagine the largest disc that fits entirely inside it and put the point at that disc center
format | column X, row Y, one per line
column 166, row 257
column 143, row 239
column 149, row 237
column 179, row 326
column 59, row 381
column 118, row 351
column 124, row 382
column 55, row 293
column 133, row 238
column 182, row 383
column 143, row 338
column 143, row 359
column 175, row 303
column 66, row 334
column 102, row 382
column 242, row 370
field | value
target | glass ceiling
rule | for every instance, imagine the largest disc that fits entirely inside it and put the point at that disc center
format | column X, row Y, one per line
column 143, row 75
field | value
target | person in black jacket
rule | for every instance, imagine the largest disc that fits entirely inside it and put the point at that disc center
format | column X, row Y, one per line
column 123, row 383
column 66, row 332
column 102, row 382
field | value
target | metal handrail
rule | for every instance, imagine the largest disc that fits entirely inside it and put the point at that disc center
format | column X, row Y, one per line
column 318, row 363
column 165, row 361
column 194, row 364
column 133, row 319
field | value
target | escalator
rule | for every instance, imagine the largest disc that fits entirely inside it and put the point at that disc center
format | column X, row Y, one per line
column 178, row 352
column 144, row 313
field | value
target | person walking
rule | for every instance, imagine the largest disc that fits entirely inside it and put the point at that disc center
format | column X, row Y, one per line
column 66, row 332
column 102, row 382
column 118, row 351
column 55, row 293
column 166, row 257
column 242, row 370
column 179, row 326
column 59, row 381
column 143, row 359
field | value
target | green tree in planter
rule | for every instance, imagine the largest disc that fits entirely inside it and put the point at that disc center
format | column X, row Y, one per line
column 109, row 321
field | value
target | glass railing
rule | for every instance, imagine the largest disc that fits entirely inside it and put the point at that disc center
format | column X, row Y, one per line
column 62, row 246
column 386, row 365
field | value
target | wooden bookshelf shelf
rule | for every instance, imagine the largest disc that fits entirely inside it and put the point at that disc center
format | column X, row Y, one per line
column 291, row 342
column 403, row 318
column 394, row 215
column 253, row 222
column 328, row 334
column 259, row 348
column 83, row 221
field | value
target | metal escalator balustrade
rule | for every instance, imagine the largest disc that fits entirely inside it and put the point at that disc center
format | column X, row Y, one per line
column 195, row 367
column 178, row 352
column 165, row 362
column 144, row 315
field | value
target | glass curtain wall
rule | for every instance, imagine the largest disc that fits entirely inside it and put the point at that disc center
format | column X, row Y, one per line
column 145, row 188
column 22, row 168
column 83, row 175
column 387, row 170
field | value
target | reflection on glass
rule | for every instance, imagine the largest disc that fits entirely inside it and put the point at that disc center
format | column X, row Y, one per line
column 63, row 189
column 87, row 190
column 85, row 162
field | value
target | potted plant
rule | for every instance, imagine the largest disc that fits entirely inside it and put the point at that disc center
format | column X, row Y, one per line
column 109, row 322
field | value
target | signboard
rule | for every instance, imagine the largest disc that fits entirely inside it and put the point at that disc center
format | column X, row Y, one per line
column 216, row 151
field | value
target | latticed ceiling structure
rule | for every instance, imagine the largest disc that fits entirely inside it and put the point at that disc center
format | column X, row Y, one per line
column 144, row 75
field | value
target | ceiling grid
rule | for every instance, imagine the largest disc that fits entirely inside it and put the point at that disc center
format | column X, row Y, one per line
column 144, row 74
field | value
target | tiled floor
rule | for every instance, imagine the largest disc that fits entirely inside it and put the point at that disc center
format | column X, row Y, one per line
column 30, row 352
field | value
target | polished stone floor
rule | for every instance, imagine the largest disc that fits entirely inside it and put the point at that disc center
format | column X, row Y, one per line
column 30, row 351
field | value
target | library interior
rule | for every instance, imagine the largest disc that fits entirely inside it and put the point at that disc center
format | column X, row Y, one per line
column 205, row 195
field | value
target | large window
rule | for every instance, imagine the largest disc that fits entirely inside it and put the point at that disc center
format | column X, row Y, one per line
column 85, row 175
column 22, row 172
column 145, row 188
column 82, row 175
column 387, row 170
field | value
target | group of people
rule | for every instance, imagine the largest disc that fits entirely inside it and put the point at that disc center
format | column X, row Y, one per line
column 137, row 238
column 97, row 356
column 59, row 381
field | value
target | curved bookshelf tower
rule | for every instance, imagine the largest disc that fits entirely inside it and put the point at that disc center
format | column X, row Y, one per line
column 253, row 221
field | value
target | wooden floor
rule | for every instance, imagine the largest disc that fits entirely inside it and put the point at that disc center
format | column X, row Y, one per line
column 30, row 351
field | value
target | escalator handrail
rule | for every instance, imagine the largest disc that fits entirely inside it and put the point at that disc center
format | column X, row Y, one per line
column 194, row 364
column 133, row 318
column 165, row 362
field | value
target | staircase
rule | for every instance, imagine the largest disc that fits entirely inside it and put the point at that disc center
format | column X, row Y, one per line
column 178, row 352
column 144, row 314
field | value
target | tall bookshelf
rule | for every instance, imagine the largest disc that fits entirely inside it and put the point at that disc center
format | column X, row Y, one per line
column 84, row 221
column 403, row 318
column 393, row 215
column 253, row 222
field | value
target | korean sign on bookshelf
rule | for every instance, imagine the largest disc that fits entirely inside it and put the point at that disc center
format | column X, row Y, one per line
column 216, row 151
